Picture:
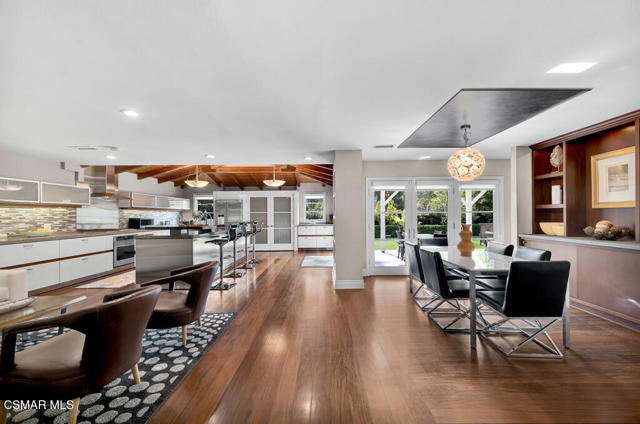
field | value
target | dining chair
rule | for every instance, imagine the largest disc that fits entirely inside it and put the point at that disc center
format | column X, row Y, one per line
column 416, row 273
column 521, row 253
column 448, row 291
column 535, row 292
column 104, row 342
column 400, row 242
column 178, row 308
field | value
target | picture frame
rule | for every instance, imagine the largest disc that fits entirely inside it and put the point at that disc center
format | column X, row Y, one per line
column 613, row 179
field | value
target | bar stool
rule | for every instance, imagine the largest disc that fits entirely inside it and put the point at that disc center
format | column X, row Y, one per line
column 220, row 241
column 233, row 236
column 254, row 230
column 247, row 264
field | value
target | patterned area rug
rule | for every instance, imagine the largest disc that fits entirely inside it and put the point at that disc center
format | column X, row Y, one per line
column 112, row 282
column 325, row 261
column 163, row 365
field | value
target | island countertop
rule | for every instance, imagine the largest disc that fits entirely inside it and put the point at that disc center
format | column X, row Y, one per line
column 64, row 235
column 584, row 240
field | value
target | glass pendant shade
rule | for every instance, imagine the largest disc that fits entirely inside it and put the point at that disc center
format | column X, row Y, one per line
column 196, row 182
column 273, row 182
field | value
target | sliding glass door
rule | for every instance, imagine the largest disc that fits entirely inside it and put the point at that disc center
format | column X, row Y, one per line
column 427, row 211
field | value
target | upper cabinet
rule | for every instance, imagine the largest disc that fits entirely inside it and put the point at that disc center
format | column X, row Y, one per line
column 179, row 203
column 139, row 200
column 162, row 202
column 64, row 194
column 17, row 190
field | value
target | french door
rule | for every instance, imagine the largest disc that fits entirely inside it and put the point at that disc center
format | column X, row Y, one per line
column 276, row 211
column 413, row 209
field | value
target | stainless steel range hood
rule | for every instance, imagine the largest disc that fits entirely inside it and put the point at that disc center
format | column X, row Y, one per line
column 102, row 180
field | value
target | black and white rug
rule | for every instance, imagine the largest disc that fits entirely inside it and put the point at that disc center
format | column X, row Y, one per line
column 163, row 365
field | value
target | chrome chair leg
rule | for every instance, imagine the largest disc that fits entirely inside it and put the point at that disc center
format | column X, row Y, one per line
column 496, row 329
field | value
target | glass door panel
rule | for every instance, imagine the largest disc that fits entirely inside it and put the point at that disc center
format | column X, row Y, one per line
column 282, row 223
column 258, row 211
column 389, row 217
column 477, row 209
column 432, row 211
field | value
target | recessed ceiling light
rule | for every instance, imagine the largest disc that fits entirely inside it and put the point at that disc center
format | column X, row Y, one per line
column 129, row 113
column 210, row 156
column 424, row 157
column 308, row 158
column 571, row 68
column 111, row 157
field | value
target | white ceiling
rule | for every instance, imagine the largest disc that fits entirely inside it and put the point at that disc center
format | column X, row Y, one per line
column 272, row 81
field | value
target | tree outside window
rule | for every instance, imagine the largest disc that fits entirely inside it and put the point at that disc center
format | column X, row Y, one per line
column 314, row 207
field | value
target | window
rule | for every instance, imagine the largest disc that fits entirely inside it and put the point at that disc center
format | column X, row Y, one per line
column 477, row 209
column 204, row 204
column 314, row 207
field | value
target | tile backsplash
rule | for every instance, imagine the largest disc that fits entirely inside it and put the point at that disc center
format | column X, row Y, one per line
column 16, row 220
column 23, row 219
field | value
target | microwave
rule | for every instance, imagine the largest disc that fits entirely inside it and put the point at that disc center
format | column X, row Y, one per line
column 139, row 223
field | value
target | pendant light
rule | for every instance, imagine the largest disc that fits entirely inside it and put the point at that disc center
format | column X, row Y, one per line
column 196, row 183
column 466, row 164
column 273, row 182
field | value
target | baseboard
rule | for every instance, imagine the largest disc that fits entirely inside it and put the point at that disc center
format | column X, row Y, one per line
column 348, row 284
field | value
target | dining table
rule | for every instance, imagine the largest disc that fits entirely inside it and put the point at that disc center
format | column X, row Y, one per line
column 482, row 262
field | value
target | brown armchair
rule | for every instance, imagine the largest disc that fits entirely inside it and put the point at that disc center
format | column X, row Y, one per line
column 104, row 342
column 177, row 308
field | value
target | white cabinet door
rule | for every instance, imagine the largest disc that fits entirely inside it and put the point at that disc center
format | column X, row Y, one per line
column 305, row 230
column 83, row 246
column 325, row 230
column 324, row 242
column 43, row 275
column 163, row 202
column 20, row 191
column 71, row 269
column 307, row 242
column 64, row 193
column 26, row 253
column 139, row 200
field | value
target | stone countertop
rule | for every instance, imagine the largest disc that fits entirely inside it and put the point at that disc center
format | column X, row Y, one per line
column 584, row 240
column 64, row 235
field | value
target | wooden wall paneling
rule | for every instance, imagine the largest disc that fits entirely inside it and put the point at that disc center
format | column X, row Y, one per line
column 561, row 252
column 637, row 219
column 574, row 188
column 612, row 139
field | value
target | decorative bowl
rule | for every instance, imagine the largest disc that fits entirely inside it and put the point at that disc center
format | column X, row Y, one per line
column 552, row 228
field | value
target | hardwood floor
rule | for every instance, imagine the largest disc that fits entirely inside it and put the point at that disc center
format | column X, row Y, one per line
column 301, row 352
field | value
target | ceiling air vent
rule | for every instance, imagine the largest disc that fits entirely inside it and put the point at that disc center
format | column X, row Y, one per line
column 94, row 148
column 384, row 146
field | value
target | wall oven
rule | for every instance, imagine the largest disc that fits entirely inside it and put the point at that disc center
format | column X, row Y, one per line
column 124, row 250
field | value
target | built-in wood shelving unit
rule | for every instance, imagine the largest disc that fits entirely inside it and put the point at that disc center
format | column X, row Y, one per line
column 574, row 176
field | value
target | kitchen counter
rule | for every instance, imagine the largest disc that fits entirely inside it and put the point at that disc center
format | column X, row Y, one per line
column 589, row 241
column 64, row 235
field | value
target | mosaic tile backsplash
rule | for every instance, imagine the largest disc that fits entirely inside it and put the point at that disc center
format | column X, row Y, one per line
column 20, row 219
column 17, row 220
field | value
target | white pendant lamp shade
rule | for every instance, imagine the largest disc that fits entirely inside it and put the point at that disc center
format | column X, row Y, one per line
column 466, row 164
column 196, row 182
column 273, row 182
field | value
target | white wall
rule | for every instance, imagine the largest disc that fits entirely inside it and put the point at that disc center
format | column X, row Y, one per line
column 129, row 182
column 521, row 207
column 17, row 165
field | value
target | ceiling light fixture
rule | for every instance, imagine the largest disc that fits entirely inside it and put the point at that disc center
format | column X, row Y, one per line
column 466, row 164
column 308, row 158
column 424, row 157
column 130, row 113
column 273, row 182
column 571, row 68
column 111, row 157
column 196, row 182
column 210, row 156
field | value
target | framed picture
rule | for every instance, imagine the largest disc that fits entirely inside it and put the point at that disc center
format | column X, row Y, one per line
column 613, row 179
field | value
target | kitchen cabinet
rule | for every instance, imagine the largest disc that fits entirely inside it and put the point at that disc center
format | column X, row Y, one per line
column 19, row 191
column 64, row 194
column 75, row 268
column 139, row 200
column 26, row 253
column 162, row 202
column 179, row 203
column 315, row 236
column 83, row 246
column 43, row 275
column 124, row 199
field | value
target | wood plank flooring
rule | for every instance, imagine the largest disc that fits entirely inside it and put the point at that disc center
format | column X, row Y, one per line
column 301, row 352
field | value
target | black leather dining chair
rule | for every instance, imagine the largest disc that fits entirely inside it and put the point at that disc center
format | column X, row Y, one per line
column 521, row 253
column 500, row 248
column 448, row 291
column 535, row 291
column 434, row 241
column 421, row 294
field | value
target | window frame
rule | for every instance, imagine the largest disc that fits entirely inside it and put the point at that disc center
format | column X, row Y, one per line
column 314, row 195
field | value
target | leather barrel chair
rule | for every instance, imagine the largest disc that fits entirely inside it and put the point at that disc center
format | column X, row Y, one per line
column 178, row 308
column 104, row 342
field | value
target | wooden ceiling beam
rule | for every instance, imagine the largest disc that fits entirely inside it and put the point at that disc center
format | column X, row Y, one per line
column 316, row 177
column 178, row 174
column 257, row 182
column 236, row 181
column 161, row 170
column 121, row 169
column 215, row 178
column 317, row 170
column 313, row 173
column 230, row 169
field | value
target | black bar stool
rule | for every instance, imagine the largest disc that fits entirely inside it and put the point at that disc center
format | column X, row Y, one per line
column 220, row 241
column 247, row 264
column 233, row 236
column 254, row 231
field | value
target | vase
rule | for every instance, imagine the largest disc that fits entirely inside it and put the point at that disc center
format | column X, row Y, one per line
column 466, row 245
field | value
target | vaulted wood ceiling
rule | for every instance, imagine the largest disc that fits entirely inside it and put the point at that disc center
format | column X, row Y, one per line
column 234, row 175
